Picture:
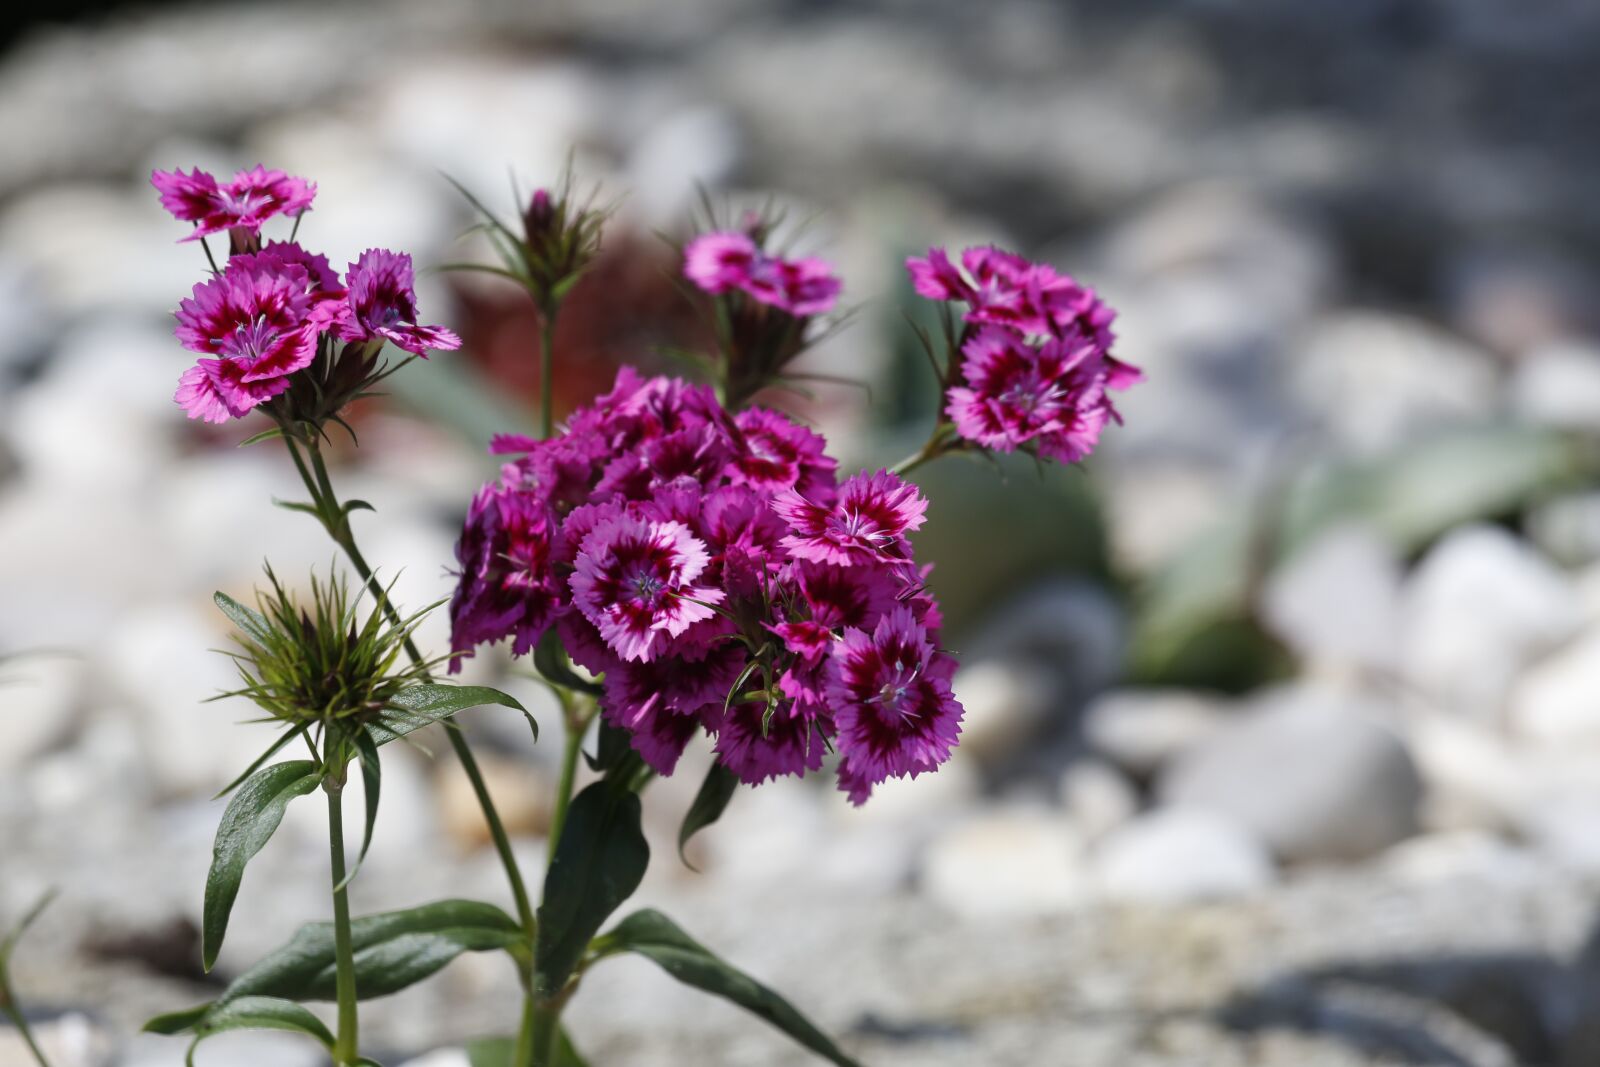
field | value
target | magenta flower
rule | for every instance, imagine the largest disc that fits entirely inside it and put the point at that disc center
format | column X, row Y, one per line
column 509, row 586
column 723, row 260
column 382, row 305
column 893, row 706
column 253, row 323
column 866, row 524
column 243, row 204
column 633, row 581
column 774, row 453
column 664, row 702
column 1049, row 396
column 791, row 742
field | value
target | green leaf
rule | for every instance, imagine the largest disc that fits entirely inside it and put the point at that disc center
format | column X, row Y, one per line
column 657, row 938
column 502, row 1051
column 423, row 705
column 709, row 804
column 613, row 750
column 263, row 1013
column 357, row 505
column 295, row 505
column 248, row 823
column 177, row 1022
column 551, row 661
column 264, row 435
column 251, row 622
column 372, row 780
column 255, row 765
column 598, row 863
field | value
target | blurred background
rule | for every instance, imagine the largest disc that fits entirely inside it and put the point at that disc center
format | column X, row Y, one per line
column 1283, row 717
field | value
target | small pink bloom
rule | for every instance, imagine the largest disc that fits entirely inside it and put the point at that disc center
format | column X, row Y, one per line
column 866, row 524
column 776, row 453
column 634, row 581
column 664, row 702
column 791, row 742
column 250, row 199
column 936, row 278
column 382, row 305
column 720, row 261
column 892, row 702
column 1050, row 396
column 509, row 586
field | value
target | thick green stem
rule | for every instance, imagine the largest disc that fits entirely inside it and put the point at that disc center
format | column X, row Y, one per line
column 577, row 726
column 345, row 1047
column 547, row 342
column 546, row 1025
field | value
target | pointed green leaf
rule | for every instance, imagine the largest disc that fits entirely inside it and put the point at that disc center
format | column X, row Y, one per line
column 372, row 781
column 598, row 863
column 264, row 435
column 255, row 765
column 551, row 661
column 177, row 1022
column 248, row 823
column 423, row 705
column 709, row 804
column 657, row 938
column 357, row 505
column 295, row 505
column 263, row 1013
column 251, row 622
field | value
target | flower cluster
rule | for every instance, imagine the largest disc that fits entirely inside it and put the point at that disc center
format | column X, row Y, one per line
column 728, row 259
column 263, row 318
column 713, row 569
column 238, row 207
column 1035, row 363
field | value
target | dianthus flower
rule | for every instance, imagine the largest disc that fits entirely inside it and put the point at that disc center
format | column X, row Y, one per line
column 726, row 259
column 675, row 559
column 382, row 305
column 240, row 206
column 1050, row 395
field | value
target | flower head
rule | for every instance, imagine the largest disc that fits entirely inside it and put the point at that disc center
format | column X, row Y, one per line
column 633, row 580
column 724, row 260
column 1050, row 396
column 240, row 205
column 867, row 523
column 382, row 305
column 893, row 705
column 509, row 585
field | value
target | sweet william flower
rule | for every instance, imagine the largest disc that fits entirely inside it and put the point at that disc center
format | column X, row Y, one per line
column 509, row 586
column 725, row 260
column 893, row 705
column 1049, row 396
column 382, row 305
column 239, row 206
column 867, row 523
column 634, row 581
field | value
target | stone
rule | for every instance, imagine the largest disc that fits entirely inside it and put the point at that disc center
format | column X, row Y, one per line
column 1313, row 770
column 1173, row 855
column 1567, row 528
column 1558, row 385
column 1007, row 705
column 1480, row 607
column 1474, row 778
column 1006, row 864
column 1379, row 379
column 1336, row 602
column 70, row 1039
column 1564, row 824
column 41, row 698
column 1140, row 730
column 1554, row 702
column 1458, row 854
column 1098, row 797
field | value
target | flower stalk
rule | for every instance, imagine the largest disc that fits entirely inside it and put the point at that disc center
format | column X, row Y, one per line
column 346, row 1048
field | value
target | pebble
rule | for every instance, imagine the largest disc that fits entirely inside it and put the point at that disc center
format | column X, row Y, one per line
column 1174, row 855
column 1006, row 864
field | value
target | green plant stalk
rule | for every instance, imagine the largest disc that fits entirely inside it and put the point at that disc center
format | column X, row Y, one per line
column 345, row 1049
column 547, row 340
column 337, row 523
column 546, row 1025
column 577, row 725
column 15, row 1016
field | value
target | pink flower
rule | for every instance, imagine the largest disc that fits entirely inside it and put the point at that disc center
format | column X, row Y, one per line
column 508, row 585
column 774, row 453
column 253, row 322
column 633, row 581
column 382, row 305
column 791, row 742
column 867, row 523
column 720, row 261
column 250, row 199
column 1050, row 396
column 664, row 702
column 893, row 706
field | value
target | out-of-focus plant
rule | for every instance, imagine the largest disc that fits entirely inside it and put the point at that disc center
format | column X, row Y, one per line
column 675, row 560
column 8, row 996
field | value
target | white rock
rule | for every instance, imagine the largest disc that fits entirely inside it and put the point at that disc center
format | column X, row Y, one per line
column 1458, row 854
column 1180, row 854
column 1337, row 602
column 1006, row 705
column 1558, row 385
column 1558, row 700
column 1098, row 797
column 1474, row 779
column 1481, row 606
column 681, row 152
column 72, row 1039
column 445, row 1057
column 1010, row 863
column 1313, row 770
column 40, row 700
column 1567, row 528
column 1378, row 379
column 1141, row 729
column 1565, row 826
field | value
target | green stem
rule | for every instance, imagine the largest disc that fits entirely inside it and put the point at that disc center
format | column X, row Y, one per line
column 345, row 1047
column 546, row 1024
column 577, row 726
column 547, row 342
column 337, row 523
column 21, row 1024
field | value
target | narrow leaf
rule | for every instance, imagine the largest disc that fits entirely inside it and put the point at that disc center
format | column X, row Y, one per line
column 248, row 823
column 262, row 436
column 264, row 1013
column 357, row 505
column 709, row 804
column 251, row 622
column 423, row 705
column 372, row 780
column 657, row 938
column 176, row 1022
column 598, row 863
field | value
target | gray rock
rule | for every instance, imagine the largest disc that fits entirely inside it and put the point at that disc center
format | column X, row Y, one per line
column 1480, row 607
column 1005, row 864
column 1313, row 770
column 1555, row 700
column 1007, row 704
column 41, row 699
column 1558, row 385
column 1567, row 528
column 1173, row 855
column 1337, row 602
column 1098, row 797
column 1140, row 730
